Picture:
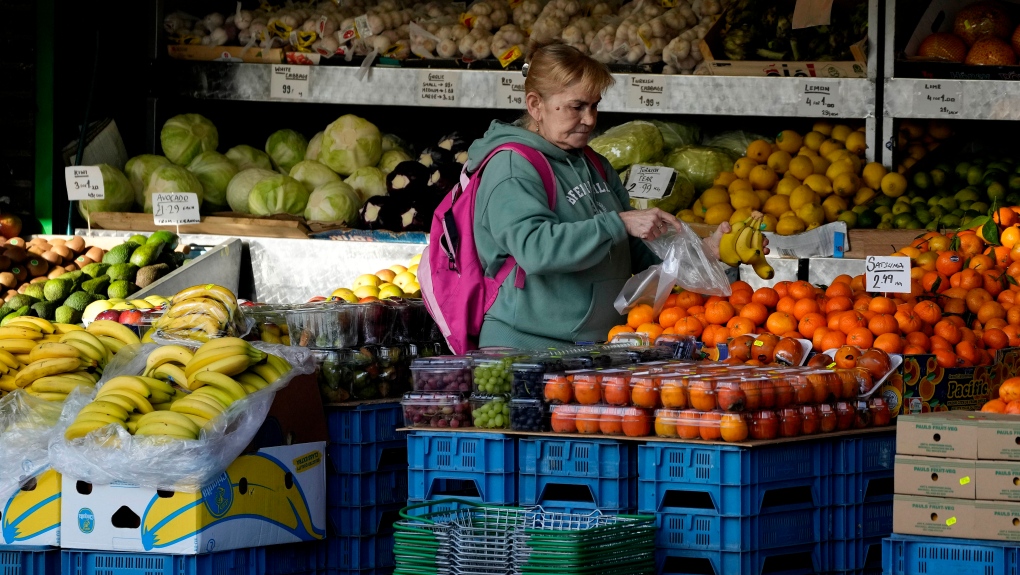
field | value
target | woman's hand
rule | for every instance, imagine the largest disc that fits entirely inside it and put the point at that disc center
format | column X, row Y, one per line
column 650, row 224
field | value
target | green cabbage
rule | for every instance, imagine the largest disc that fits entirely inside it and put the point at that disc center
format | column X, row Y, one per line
column 350, row 143
column 171, row 179
column 735, row 142
column 391, row 158
column 118, row 195
column 185, row 136
column 313, row 174
column 333, row 202
column 240, row 187
column 247, row 157
column 278, row 195
column 392, row 142
column 138, row 169
column 286, row 148
column 367, row 182
column 635, row 142
column 314, row 145
column 215, row 171
column 675, row 135
column 680, row 196
column 701, row 164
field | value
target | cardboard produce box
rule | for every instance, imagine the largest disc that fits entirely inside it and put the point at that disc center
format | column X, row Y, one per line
column 997, row 480
column 31, row 517
column 924, row 386
column 915, row 515
column 934, row 477
column 949, row 434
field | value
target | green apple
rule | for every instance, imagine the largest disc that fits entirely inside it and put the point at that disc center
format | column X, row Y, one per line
column 390, row 290
column 344, row 294
column 364, row 291
column 366, row 280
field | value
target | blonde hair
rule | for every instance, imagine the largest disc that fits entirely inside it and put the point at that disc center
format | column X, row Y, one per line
column 554, row 66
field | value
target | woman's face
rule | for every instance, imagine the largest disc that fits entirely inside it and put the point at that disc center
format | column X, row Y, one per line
column 566, row 118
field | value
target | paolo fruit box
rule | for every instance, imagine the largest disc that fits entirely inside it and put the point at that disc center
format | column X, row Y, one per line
column 270, row 496
column 31, row 516
column 951, row 435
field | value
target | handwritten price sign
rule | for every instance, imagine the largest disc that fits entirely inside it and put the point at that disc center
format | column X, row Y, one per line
column 84, row 183
column 175, row 209
column 289, row 83
column 646, row 92
column 887, row 274
column 650, row 182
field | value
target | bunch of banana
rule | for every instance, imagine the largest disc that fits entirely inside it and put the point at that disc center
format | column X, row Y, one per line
column 112, row 335
column 200, row 312
column 9, row 367
column 272, row 333
column 88, row 346
column 167, row 363
column 227, row 356
column 118, row 400
column 745, row 244
column 55, row 370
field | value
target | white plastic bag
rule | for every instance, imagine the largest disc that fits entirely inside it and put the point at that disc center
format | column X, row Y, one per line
column 26, row 425
column 684, row 263
column 113, row 455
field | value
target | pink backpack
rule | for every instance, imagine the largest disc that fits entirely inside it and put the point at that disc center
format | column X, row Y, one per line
column 454, row 287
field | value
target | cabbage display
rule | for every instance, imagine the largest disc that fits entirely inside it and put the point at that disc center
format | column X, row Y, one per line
column 138, row 169
column 333, row 202
column 278, row 195
column 637, row 142
column 215, row 171
column 240, row 187
column 247, row 157
column 350, row 143
column 171, row 179
column 675, row 135
column 314, row 145
column 118, row 193
column 701, row 164
column 735, row 142
column 185, row 136
column 391, row 158
column 286, row 148
column 313, row 174
column 367, row 182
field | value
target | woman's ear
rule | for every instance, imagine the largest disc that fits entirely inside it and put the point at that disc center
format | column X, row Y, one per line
column 534, row 104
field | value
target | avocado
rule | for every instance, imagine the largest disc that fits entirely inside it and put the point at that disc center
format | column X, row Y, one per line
column 57, row 289
column 23, row 310
column 78, row 300
column 123, row 271
column 66, row 314
column 35, row 290
column 138, row 239
column 121, row 289
column 149, row 274
column 147, row 254
column 98, row 285
column 119, row 254
column 98, row 296
column 21, row 300
column 169, row 238
column 167, row 258
column 77, row 277
column 45, row 309
column 95, row 270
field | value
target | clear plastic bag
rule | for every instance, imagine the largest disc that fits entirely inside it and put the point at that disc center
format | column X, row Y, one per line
column 200, row 313
column 26, row 425
column 111, row 454
column 684, row 263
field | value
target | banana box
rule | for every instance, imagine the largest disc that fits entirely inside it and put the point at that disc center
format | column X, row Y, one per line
column 31, row 516
column 266, row 497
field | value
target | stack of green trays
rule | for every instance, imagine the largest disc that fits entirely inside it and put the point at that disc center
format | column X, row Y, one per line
column 594, row 544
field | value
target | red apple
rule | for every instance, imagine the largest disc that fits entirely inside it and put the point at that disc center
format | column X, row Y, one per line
column 317, row 298
column 368, row 299
column 110, row 314
column 130, row 317
column 10, row 225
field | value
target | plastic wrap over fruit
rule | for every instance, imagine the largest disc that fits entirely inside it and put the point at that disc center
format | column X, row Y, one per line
column 26, row 425
column 111, row 454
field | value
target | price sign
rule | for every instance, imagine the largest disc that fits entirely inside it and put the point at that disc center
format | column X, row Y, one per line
column 646, row 92
column 939, row 99
column 175, row 209
column 510, row 91
column 887, row 274
column 438, row 88
column 650, row 182
column 84, row 183
column 820, row 99
column 363, row 27
column 289, row 82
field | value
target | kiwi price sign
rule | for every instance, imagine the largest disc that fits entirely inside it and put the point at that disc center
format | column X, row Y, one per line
column 887, row 274
column 84, row 183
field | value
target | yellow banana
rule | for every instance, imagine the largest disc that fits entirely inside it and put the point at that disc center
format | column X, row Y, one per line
column 728, row 246
column 169, row 418
column 9, row 360
column 743, row 243
column 57, row 384
column 194, row 321
column 165, row 429
column 199, row 407
column 44, row 367
column 165, row 406
column 195, row 335
column 17, row 332
column 131, row 426
column 52, row 350
column 196, row 419
column 170, row 372
column 53, row 338
column 48, row 396
column 762, row 268
column 266, row 372
column 81, row 429
column 113, row 345
column 157, row 384
column 221, row 397
column 141, row 404
column 279, row 364
column 205, row 306
column 113, row 404
column 147, row 336
column 62, row 328
column 252, row 379
column 176, row 354
column 7, row 383
column 219, row 381
column 230, row 365
column 101, row 417
column 86, row 349
column 83, row 376
column 112, row 329
column 125, row 382
column 17, row 346
column 212, row 291
column 202, row 362
column 39, row 323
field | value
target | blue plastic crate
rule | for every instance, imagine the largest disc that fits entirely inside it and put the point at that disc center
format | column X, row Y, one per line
column 731, row 465
column 854, row 555
column 363, row 521
column 732, row 500
column 857, row 488
column 910, row 555
column 370, row 423
column 496, row 488
column 864, row 454
column 578, row 457
column 711, row 532
column 377, row 571
column 306, row 558
column 610, row 493
column 367, row 457
column 29, row 560
column 865, row 520
column 346, row 489
column 360, row 552
column 462, row 452
column 237, row 562
column 797, row 560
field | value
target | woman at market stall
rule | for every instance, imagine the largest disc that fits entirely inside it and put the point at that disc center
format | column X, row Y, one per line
column 578, row 255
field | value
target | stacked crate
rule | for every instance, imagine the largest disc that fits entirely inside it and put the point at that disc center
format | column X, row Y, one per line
column 578, row 475
column 478, row 467
column 29, row 560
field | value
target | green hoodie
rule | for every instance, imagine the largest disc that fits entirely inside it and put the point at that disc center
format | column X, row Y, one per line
column 577, row 257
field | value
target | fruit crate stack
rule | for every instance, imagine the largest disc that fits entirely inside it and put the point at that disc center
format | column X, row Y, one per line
column 957, row 502
column 578, row 475
column 236, row 562
column 473, row 467
column 18, row 560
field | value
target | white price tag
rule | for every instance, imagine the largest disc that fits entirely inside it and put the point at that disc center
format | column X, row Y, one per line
column 646, row 92
column 820, row 99
column 175, row 209
column 650, row 182
column 363, row 27
column 84, row 183
column 887, row 274
column 510, row 91
column 438, row 88
column 939, row 99
column 289, row 82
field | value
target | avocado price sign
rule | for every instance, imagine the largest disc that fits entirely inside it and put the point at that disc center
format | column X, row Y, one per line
column 887, row 274
column 84, row 183
column 175, row 209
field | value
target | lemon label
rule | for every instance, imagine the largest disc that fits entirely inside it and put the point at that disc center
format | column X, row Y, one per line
column 758, row 343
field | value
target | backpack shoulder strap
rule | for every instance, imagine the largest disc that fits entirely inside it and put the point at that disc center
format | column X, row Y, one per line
column 594, row 158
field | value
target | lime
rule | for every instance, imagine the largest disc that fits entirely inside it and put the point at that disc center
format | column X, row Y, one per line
column 996, row 191
column 937, row 211
column 922, row 180
column 951, row 221
column 979, row 207
column 961, row 170
column 923, row 216
column 867, row 219
column 938, row 177
column 974, row 175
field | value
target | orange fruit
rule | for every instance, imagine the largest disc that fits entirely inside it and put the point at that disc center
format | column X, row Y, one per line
column 687, row 299
column 907, row 321
column 695, row 309
column 838, row 303
column 945, row 358
column 883, row 324
column 934, row 282
column 850, row 321
column 1013, row 316
column 801, row 290
column 689, row 326
column 786, row 304
column 857, row 284
column 976, row 298
column 740, row 297
column 766, row 296
column 928, row 311
column 640, row 314
column 755, row 312
column 782, row 288
column 995, row 323
column 653, row 330
column 710, row 426
column 1009, row 237
column 809, row 323
column 861, row 337
column 1000, row 254
column 842, row 278
column 889, row 343
column 780, row 323
column 990, row 310
column 981, row 262
column 918, row 339
column 733, row 427
column 1014, row 335
column 636, row 422
column 741, row 285
column 719, row 312
column 948, row 263
column 741, row 326
column 995, row 405
column 838, row 289
column 1005, row 217
column 804, row 307
column 970, row 244
column 995, row 338
column 818, row 338
column 617, row 330
column 968, row 352
column 954, row 306
column 948, row 331
column 670, row 315
column 882, row 305
column 833, row 340
column 910, row 349
column 862, row 303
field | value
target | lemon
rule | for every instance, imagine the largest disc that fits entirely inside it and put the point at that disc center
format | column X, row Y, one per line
column 838, row 168
column 812, row 226
column 883, row 210
column 846, row 184
column 740, row 215
column 777, row 205
column 740, row 186
column 823, row 127
column 863, row 196
column 811, row 214
column 743, row 199
column 908, row 163
column 849, row 218
column 759, row 151
column 789, row 141
column 718, row 214
column 724, row 179
column 820, row 164
column 820, row 184
column 689, row 217
column 833, row 206
column 742, row 167
column 713, row 196
column 829, row 146
column 780, row 161
column 769, row 222
column 841, row 132
column 917, row 151
column 763, row 195
column 802, row 195
column 806, row 151
column 857, row 143
column 763, row 178
column 873, row 174
column 790, row 225
column 893, row 185
column 787, row 185
column 800, row 167
column 813, row 140
column 697, row 208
